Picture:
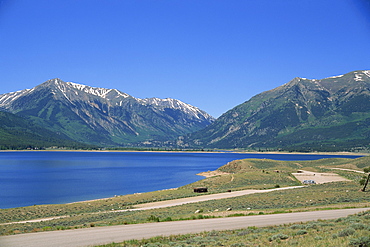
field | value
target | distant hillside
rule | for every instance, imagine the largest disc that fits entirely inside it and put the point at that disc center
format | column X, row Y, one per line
column 19, row 133
column 325, row 115
column 102, row 116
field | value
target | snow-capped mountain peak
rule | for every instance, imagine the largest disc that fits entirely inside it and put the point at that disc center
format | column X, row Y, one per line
column 97, row 91
column 175, row 104
column 79, row 111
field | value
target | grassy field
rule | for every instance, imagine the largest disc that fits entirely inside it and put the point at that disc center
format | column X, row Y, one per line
column 242, row 174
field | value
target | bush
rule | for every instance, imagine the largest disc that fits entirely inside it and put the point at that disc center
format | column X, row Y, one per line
column 301, row 232
column 152, row 245
column 346, row 232
column 358, row 226
column 311, row 226
column 245, row 232
column 153, row 218
column 360, row 242
column 278, row 236
column 297, row 226
column 238, row 245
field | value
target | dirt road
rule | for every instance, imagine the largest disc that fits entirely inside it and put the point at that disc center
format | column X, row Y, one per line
column 104, row 235
column 176, row 202
column 170, row 203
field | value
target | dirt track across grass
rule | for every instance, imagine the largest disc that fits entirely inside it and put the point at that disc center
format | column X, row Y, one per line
column 176, row 202
column 171, row 203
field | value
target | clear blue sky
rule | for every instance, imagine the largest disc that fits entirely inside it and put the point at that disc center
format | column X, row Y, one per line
column 213, row 54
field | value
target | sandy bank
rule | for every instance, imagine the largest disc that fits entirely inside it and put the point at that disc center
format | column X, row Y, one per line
column 212, row 173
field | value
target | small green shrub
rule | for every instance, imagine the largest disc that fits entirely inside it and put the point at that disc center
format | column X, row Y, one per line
column 346, row 232
column 311, row 226
column 238, row 245
column 47, row 228
column 301, row 232
column 352, row 219
column 360, row 242
column 153, row 218
column 243, row 233
column 294, row 227
column 358, row 226
column 152, row 245
column 278, row 237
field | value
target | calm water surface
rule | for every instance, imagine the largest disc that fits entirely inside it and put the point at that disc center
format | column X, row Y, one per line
column 28, row 178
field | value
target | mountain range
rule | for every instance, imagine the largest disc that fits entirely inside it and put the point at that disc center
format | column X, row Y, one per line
column 104, row 117
column 329, row 114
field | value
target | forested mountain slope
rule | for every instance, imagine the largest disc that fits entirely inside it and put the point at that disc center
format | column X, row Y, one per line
column 329, row 114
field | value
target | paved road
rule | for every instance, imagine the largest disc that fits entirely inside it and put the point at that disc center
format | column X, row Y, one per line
column 104, row 235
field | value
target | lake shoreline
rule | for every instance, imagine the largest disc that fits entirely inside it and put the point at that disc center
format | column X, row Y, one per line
column 90, row 172
column 169, row 151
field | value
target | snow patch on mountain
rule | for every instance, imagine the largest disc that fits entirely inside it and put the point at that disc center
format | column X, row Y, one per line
column 101, row 92
column 358, row 77
column 77, row 86
column 367, row 73
column 175, row 104
column 120, row 94
column 97, row 91
column 7, row 98
column 333, row 77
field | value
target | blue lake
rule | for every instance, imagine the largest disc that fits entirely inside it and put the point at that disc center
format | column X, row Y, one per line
column 28, row 178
